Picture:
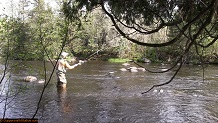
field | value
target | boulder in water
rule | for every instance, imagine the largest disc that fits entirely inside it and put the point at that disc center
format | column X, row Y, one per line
column 145, row 60
column 125, row 64
column 81, row 61
column 41, row 81
column 133, row 70
column 141, row 69
column 123, row 69
column 30, row 78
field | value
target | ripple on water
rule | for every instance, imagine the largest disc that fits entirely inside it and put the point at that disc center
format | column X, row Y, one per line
column 94, row 97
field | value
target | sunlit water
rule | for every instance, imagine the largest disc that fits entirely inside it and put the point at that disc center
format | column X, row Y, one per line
column 94, row 95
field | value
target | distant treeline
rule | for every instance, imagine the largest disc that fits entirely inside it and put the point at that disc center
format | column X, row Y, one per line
column 40, row 33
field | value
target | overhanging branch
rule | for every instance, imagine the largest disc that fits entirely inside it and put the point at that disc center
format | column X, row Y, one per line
column 160, row 44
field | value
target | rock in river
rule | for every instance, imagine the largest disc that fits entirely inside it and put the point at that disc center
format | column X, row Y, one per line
column 123, row 69
column 30, row 78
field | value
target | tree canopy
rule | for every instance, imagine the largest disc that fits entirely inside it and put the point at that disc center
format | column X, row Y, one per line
column 196, row 20
column 192, row 24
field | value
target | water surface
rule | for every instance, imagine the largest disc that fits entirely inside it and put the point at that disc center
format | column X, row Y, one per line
column 94, row 95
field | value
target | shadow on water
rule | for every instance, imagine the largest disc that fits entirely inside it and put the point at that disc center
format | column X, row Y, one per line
column 94, row 95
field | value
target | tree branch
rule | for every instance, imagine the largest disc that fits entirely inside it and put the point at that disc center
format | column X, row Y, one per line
column 155, row 45
column 165, row 82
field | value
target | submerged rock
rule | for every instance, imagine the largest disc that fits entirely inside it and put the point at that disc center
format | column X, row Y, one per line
column 30, row 78
column 141, row 69
column 41, row 81
column 133, row 70
column 145, row 60
column 82, row 61
column 123, row 69
column 110, row 74
column 125, row 64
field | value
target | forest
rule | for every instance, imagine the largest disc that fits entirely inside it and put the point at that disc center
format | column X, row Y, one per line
column 171, row 33
column 37, row 31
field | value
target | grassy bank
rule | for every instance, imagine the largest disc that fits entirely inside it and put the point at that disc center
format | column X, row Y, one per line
column 118, row 60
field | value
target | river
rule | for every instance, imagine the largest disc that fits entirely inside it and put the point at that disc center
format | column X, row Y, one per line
column 95, row 96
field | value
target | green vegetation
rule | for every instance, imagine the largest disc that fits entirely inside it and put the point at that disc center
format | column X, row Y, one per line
column 40, row 33
column 118, row 60
column 170, row 31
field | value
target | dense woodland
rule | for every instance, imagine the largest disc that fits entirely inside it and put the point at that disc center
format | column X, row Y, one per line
column 40, row 32
column 169, row 31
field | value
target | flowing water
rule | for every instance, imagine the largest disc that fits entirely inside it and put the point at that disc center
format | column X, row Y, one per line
column 98, row 92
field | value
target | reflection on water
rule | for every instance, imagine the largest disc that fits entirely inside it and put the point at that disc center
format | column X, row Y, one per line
column 63, row 103
column 92, row 95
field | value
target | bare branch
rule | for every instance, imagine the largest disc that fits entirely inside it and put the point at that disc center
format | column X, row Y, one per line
column 209, row 44
column 165, row 82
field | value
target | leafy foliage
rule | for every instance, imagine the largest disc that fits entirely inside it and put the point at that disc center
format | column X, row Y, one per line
column 187, row 28
column 195, row 21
